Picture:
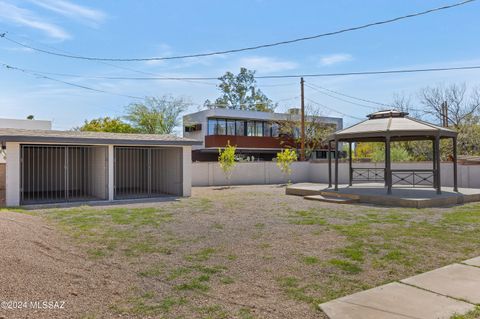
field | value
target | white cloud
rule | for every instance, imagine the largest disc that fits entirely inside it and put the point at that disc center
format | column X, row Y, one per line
column 335, row 58
column 72, row 10
column 24, row 17
column 264, row 64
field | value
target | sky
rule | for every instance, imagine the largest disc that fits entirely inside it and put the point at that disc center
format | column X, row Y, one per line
column 132, row 29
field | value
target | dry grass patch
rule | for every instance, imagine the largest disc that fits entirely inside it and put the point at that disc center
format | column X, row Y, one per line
column 253, row 252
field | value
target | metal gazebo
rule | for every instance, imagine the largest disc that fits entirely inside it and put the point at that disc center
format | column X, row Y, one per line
column 393, row 126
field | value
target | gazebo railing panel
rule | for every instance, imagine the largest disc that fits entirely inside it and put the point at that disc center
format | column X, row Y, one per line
column 364, row 174
column 413, row 177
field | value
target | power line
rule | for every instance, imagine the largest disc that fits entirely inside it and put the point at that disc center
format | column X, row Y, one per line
column 350, row 96
column 38, row 75
column 340, row 99
column 313, row 75
column 110, row 65
column 256, row 47
column 334, row 110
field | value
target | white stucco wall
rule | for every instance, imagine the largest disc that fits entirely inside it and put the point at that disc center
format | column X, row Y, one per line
column 210, row 174
column 187, row 170
column 12, row 197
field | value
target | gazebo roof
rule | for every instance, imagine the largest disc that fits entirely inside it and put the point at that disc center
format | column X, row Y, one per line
column 391, row 123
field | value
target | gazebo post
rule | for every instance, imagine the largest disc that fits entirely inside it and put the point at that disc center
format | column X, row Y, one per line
column 336, row 165
column 350, row 170
column 385, row 166
column 388, row 165
column 455, row 184
column 329, row 164
column 437, row 159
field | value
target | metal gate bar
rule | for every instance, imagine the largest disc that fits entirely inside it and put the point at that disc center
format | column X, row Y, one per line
column 61, row 173
column 140, row 172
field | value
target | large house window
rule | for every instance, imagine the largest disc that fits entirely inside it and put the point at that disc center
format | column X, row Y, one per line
column 230, row 127
column 250, row 128
column 259, row 129
column 221, row 127
column 275, row 130
column 234, row 127
column 240, row 128
column 267, row 129
column 212, row 123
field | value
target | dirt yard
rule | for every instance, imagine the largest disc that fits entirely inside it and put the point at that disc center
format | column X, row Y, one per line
column 245, row 252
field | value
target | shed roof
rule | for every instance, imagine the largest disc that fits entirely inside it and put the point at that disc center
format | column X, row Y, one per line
column 52, row 136
column 392, row 123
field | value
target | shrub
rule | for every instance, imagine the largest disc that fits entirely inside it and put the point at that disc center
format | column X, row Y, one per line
column 285, row 158
column 226, row 159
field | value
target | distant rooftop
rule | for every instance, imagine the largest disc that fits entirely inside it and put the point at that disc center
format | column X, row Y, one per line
column 26, row 124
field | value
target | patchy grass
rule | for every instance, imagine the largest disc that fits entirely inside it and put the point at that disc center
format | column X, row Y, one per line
column 307, row 217
column 209, row 256
column 346, row 266
column 310, row 260
column 474, row 314
column 202, row 255
column 245, row 313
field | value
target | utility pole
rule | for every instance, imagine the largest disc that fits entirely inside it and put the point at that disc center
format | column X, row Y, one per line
column 302, row 114
column 444, row 114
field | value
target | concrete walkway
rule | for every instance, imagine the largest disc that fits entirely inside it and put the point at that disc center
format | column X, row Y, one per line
column 437, row 294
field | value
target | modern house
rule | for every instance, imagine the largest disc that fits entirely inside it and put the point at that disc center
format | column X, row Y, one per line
column 255, row 134
column 48, row 166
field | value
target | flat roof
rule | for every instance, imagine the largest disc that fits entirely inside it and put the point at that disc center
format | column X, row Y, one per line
column 52, row 136
column 255, row 115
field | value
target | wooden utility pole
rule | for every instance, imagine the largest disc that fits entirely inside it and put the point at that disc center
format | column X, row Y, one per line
column 444, row 114
column 302, row 115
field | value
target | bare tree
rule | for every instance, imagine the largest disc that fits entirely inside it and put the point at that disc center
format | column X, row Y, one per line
column 459, row 105
column 403, row 102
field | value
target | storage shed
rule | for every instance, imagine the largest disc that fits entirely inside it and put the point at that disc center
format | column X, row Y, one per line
column 45, row 166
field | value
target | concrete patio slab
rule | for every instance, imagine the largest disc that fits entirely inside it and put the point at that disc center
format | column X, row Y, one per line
column 457, row 281
column 395, row 301
column 375, row 193
column 473, row 262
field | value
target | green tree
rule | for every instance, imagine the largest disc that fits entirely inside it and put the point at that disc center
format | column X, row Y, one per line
column 240, row 92
column 107, row 124
column 226, row 160
column 397, row 154
column 285, row 158
column 156, row 115
column 469, row 136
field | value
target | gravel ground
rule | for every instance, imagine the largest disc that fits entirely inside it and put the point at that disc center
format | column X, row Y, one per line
column 245, row 252
column 38, row 264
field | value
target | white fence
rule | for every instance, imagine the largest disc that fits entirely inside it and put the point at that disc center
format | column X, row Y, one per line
column 210, row 173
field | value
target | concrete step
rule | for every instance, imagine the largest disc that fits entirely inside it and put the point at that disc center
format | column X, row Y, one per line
column 340, row 195
column 332, row 199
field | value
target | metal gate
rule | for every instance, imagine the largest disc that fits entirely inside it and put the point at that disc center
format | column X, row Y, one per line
column 142, row 172
column 62, row 173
